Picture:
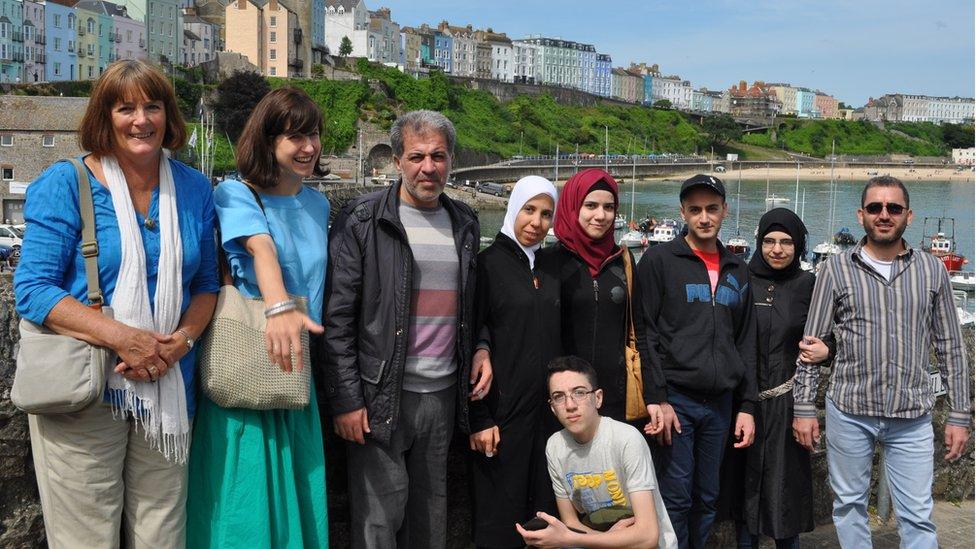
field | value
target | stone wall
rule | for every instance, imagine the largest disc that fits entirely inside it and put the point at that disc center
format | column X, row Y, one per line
column 20, row 517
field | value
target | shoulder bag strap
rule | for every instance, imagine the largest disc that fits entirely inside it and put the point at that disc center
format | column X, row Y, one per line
column 89, row 243
column 629, row 271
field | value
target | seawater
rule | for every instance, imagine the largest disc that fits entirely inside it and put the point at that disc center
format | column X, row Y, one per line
column 659, row 199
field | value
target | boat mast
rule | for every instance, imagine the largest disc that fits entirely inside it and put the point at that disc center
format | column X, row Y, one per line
column 796, row 194
column 767, row 186
column 633, row 187
column 803, row 205
column 738, row 199
column 833, row 193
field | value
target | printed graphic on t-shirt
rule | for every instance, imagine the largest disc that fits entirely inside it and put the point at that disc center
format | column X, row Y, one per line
column 593, row 491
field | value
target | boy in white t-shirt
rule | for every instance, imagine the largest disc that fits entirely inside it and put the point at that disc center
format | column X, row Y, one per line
column 601, row 470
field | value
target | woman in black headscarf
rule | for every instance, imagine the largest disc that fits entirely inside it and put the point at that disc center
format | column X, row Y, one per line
column 770, row 481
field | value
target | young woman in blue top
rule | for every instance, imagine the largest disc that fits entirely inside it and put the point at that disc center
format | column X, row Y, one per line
column 154, row 218
column 258, row 477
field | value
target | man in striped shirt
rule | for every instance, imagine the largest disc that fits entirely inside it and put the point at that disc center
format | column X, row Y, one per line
column 886, row 304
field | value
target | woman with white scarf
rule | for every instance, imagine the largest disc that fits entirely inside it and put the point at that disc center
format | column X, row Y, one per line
column 517, row 312
column 120, row 464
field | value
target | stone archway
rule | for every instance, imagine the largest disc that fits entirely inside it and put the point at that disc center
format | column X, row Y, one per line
column 380, row 160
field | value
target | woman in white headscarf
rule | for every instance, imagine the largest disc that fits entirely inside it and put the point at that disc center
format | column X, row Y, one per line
column 517, row 312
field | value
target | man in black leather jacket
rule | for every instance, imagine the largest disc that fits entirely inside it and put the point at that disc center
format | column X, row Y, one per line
column 397, row 344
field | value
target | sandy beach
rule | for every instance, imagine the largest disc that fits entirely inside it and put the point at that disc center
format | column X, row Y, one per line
column 906, row 174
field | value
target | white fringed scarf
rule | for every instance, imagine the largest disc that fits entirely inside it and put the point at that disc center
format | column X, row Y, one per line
column 159, row 407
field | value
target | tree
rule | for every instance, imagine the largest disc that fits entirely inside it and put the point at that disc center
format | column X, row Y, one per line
column 318, row 71
column 662, row 104
column 957, row 136
column 721, row 129
column 236, row 98
column 345, row 47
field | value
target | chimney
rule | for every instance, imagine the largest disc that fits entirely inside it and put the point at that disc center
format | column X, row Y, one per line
column 242, row 4
column 742, row 86
column 273, row 5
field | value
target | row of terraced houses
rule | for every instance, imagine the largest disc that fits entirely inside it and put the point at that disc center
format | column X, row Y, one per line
column 50, row 40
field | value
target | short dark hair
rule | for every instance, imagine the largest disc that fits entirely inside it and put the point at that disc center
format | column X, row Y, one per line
column 121, row 81
column 286, row 110
column 884, row 181
column 573, row 364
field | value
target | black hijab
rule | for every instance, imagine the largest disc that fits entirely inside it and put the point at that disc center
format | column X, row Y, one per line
column 779, row 219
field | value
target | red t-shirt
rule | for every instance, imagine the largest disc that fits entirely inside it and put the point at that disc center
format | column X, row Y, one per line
column 711, row 263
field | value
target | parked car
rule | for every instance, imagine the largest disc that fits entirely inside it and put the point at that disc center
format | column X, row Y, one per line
column 720, row 169
column 11, row 236
column 488, row 187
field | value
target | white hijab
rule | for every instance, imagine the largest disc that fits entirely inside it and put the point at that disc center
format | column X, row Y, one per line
column 526, row 189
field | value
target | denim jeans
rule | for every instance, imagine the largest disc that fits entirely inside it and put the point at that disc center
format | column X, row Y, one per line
column 398, row 493
column 908, row 457
column 688, row 470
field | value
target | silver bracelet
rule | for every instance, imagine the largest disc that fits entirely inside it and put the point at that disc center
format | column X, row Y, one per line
column 280, row 307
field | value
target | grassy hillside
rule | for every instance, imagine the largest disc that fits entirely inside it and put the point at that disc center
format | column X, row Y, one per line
column 814, row 137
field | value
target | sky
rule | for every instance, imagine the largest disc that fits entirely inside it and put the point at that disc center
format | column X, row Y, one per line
column 851, row 49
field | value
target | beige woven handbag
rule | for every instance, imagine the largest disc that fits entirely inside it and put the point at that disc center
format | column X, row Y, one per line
column 235, row 371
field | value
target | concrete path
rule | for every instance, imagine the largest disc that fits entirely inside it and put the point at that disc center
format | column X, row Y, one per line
column 955, row 525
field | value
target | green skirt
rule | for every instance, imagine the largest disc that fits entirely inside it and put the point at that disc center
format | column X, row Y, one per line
column 256, row 478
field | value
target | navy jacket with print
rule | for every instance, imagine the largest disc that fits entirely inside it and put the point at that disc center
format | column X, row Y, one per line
column 697, row 343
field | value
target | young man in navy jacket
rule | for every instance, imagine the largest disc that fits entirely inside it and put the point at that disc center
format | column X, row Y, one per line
column 695, row 304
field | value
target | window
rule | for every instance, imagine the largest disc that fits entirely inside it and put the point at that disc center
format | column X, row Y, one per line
column 6, row 140
column 273, row 71
column 152, row 8
column 47, row 140
column 57, row 44
column 99, row 29
column 128, row 35
column 91, row 72
column 91, row 26
column 273, row 54
column 274, row 21
column 71, row 21
column 57, row 20
column 274, row 37
column 8, row 173
column 57, row 69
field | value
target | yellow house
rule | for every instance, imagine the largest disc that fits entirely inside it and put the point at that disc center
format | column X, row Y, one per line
column 267, row 33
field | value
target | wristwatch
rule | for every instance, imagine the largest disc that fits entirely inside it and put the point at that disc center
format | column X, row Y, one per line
column 189, row 340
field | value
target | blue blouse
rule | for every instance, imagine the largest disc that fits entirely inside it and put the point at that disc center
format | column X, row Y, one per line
column 52, row 268
column 299, row 226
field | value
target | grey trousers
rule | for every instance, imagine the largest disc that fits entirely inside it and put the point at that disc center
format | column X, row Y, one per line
column 93, row 471
column 398, row 493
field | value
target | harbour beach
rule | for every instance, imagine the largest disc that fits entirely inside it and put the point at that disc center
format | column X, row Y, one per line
column 822, row 173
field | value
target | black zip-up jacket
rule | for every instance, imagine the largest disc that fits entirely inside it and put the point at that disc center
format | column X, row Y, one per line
column 702, row 343
column 367, row 308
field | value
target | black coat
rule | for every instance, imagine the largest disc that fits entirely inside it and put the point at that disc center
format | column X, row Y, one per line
column 594, row 322
column 367, row 307
column 769, row 484
column 517, row 314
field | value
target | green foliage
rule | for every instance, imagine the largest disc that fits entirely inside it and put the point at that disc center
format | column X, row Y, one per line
column 223, row 151
column 721, row 129
column 958, row 136
column 187, row 97
column 758, row 139
column 663, row 104
column 235, row 99
column 340, row 101
column 855, row 138
column 68, row 88
column 345, row 46
column 318, row 70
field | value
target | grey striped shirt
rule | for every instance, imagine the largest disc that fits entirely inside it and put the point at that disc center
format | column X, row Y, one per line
column 884, row 330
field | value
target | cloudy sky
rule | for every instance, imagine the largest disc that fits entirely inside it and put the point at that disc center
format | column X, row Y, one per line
column 853, row 49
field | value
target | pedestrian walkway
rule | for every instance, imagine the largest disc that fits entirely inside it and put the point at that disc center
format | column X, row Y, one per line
column 955, row 525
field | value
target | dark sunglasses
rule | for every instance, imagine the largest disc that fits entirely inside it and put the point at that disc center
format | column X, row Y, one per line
column 875, row 208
